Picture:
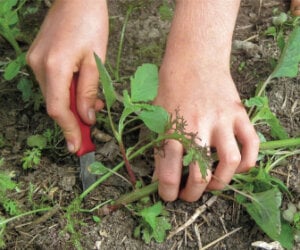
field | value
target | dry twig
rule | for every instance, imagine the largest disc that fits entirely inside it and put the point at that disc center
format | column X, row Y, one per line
column 219, row 239
column 197, row 213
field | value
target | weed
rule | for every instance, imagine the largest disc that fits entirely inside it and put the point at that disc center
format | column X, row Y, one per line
column 31, row 158
column 166, row 11
column 282, row 23
column 10, row 31
column 153, row 223
column 10, row 206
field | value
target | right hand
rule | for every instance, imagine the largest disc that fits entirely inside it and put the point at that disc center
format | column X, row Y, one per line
column 70, row 34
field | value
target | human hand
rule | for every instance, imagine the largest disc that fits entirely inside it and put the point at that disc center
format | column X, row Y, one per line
column 70, row 34
column 209, row 102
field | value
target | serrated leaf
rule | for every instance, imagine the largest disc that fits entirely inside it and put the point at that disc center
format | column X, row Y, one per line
column 162, row 225
column 188, row 158
column 146, row 235
column 38, row 141
column 290, row 57
column 144, row 83
column 108, row 89
column 150, row 214
column 156, row 119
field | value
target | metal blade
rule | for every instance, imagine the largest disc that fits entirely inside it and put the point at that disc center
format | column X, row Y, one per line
column 86, row 176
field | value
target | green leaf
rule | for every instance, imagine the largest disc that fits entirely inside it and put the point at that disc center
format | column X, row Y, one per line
column 5, row 182
column 146, row 235
column 165, row 12
column 263, row 113
column 264, row 209
column 271, row 31
column 129, row 108
column 286, row 236
column 144, row 83
column 38, row 141
column 290, row 57
column 25, row 86
column 280, row 19
column 98, row 168
column 188, row 158
column 156, row 119
column 149, row 214
column 162, row 225
column 108, row 89
column 96, row 219
column 11, row 70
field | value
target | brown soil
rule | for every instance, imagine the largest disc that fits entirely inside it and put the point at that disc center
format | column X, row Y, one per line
column 56, row 181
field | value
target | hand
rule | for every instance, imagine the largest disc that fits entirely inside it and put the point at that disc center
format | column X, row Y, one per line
column 195, row 78
column 211, row 106
column 71, row 33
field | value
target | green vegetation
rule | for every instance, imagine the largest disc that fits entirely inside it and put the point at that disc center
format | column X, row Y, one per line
column 258, row 191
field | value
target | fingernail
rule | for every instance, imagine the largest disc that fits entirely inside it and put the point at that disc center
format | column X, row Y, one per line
column 71, row 147
column 91, row 115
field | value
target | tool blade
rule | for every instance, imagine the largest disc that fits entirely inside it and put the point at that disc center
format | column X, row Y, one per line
column 86, row 176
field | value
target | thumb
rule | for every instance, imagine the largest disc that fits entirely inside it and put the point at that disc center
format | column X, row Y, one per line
column 87, row 90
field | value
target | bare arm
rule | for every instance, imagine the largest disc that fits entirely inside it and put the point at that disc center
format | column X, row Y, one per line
column 195, row 77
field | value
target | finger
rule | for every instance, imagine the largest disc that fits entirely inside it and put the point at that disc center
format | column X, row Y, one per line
column 58, row 105
column 247, row 137
column 229, row 158
column 295, row 7
column 87, row 91
column 195, row 185
column 168, row 167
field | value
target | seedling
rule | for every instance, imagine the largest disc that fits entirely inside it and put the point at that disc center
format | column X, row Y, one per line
column 153, row 223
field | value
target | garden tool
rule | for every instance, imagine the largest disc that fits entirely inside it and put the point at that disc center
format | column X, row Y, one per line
column 86, row 153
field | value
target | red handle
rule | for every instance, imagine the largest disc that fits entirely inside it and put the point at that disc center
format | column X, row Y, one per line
column 86, row 143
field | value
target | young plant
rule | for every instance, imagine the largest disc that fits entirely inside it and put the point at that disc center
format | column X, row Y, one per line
column 264, row 192
column 32, row 157
column 9, row 205
column 153, row 223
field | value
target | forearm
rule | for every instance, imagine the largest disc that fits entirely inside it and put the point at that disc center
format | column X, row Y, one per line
column 202, row 30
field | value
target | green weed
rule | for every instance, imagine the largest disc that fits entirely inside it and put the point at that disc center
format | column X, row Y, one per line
column 153, row 223
column 10, row 11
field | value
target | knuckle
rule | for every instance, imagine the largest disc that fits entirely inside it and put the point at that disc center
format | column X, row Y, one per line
column 89, row 94
column 52, row 111
column 52, row 61
column 32, row 59
column 168, row 180
column 232, row 159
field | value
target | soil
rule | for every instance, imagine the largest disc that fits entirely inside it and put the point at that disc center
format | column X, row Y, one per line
column 55, row 180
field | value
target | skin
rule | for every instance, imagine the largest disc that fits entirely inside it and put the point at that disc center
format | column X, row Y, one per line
column 66, row 44
column 194, row 77
column 295, row 7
